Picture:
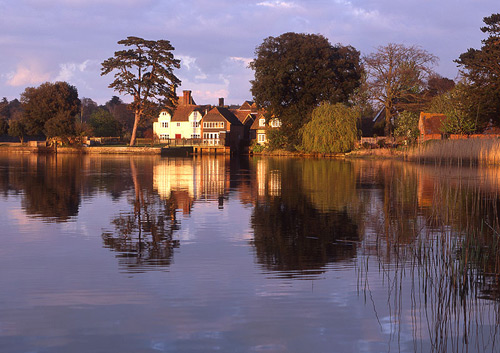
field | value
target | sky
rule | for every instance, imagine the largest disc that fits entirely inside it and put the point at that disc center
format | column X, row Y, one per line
column 67, row 40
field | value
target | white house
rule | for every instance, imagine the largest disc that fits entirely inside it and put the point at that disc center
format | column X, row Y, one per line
column 185, row 123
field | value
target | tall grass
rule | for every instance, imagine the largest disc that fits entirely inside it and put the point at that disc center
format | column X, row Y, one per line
column 448, row 269
column 457, row 152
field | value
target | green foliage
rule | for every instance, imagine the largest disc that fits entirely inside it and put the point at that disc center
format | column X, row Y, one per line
column 61, row 125
column 103, row 123
column 4, row 126
column 277, row 140
column 146, row 73
column 295, row 72
column 458, row 108
column 256, row 147
column 332, row 129
column 407, row 126
column 49, row 101
column 481, row 68
column 17, row 129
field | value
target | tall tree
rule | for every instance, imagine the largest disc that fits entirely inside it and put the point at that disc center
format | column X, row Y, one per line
column 145, row 72
column 481, row 68
column 397, row 76
column 294, row 73
column 50, row 101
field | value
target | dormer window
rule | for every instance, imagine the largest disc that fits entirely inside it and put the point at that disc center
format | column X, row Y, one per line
column 262, row 122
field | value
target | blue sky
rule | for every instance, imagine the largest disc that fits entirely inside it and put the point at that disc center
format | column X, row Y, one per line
column 51, row 40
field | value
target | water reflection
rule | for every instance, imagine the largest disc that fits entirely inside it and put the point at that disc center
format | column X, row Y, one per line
column 51, row 186
column 423, row 242
column 143, row 238
column 437, row 248
column 297, row 231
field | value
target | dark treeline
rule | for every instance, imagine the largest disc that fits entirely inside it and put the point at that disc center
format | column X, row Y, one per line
column 47, row 111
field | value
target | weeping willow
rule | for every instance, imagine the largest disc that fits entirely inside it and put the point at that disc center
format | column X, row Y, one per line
column 332, row 129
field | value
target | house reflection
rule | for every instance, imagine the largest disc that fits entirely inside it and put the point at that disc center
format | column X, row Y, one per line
column 186, row 180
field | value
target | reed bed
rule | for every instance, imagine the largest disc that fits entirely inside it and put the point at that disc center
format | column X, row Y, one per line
column 449, row 272
column 457, row 152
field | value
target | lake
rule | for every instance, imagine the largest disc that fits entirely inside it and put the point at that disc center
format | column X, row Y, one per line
column 204, row 254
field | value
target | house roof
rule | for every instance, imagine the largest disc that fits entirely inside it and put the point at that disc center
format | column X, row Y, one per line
column 225, row 113
column 242, row 115
column 256, row 125
column 182, row 112
column 430, row 123
column 249, row 106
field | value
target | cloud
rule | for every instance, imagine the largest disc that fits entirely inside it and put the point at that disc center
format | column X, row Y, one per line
column 187, row 61
column 27, row 74
column 245, row 61
column 277, row 4
column 68, row 70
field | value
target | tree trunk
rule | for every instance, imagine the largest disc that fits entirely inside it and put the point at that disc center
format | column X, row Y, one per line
column 134, row 130
column 387, row 130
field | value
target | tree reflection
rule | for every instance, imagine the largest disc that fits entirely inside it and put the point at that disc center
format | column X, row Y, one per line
column 291, row 235
column 51, row 186
column 143, row 238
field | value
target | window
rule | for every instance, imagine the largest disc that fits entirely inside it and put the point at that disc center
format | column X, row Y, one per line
column 178, row 124
column 213, row 125
column 196, row 124
column 195, row 136
column 261, row 137
column 262, row 122
column 275, row 123
column 195, row 114
column 163, row 136
column 210, row 135
column 164, row 124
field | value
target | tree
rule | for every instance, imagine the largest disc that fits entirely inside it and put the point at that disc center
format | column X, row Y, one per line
column 10, row 110
column 103, row 123
column 332, row 129
column 436, row 84
column 459, row 109
column 88, row 107
column 17, row 129
column 144, row 72
column 4, row 126
column 61, row 125
column 481, row 68
column 407, row 126
column 294, row 73
column 121, row 113
column 397, row 77
column 49, row 101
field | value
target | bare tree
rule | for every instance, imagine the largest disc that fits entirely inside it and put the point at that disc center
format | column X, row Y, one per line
column 397, row 76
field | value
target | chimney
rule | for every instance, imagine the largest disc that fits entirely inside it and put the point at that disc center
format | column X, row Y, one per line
column 186, row 99
column 221, row 102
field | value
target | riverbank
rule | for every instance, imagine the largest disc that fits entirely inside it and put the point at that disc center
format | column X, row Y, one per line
column 18, row 148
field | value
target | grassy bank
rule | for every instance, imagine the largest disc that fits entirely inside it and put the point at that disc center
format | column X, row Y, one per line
column 457, row 152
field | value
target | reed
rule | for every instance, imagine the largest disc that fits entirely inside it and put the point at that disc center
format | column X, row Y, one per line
column 457, row 152
column 448, row 270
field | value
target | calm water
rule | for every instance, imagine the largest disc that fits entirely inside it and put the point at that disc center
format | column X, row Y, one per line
column 149, row 254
